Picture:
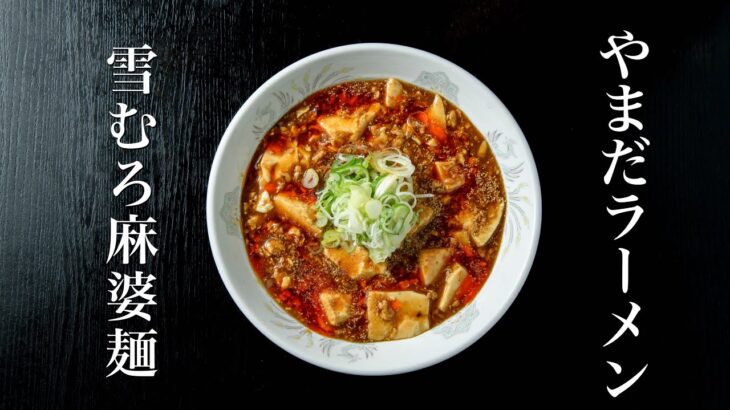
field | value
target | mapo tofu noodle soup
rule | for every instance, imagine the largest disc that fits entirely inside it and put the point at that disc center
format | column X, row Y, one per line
column 373, row 210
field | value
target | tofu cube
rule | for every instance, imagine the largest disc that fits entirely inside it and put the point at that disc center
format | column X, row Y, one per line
column 336, row 306
column 431, row 262
column 450, row 175
column 437, row 113
column 461, row 236
column 342, row 129
column 393, row 90
column 484, row 228
column 297, row 212
column 356, row 264
column 337, row 127
column 396, row 314
column 274, row 166
column 481, row 224
column 454, row 276
column 264, row 205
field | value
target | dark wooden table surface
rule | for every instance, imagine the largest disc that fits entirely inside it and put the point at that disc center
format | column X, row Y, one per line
column 58, row 169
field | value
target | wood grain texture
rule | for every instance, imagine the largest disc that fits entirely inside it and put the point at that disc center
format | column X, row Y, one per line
column 58, row 169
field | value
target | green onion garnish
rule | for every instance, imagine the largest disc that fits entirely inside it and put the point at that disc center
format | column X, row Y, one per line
column 368, row 201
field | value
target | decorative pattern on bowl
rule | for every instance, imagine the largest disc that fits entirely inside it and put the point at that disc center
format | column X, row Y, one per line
column 283, row 100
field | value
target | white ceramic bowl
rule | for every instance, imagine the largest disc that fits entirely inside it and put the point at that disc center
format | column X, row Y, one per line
column 361, row 61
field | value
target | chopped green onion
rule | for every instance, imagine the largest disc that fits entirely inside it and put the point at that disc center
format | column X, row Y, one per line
column 331, row 239
column 368, row 201
column 373, row 208
column 321, row 219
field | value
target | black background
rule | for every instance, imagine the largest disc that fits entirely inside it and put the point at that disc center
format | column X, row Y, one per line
column 58, row 169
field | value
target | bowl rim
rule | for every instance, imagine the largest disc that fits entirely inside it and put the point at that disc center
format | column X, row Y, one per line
column 214, row 233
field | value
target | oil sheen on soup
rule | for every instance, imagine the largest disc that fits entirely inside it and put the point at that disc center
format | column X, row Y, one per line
column 373, row 210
